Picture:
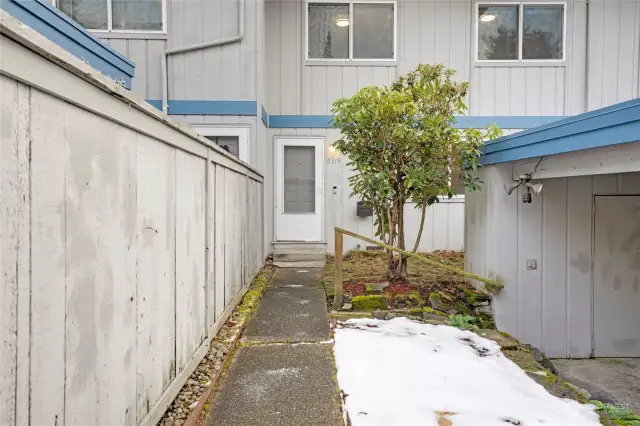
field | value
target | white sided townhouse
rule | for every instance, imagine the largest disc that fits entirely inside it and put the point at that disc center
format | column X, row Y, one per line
column 259, row 77
column 557, row 220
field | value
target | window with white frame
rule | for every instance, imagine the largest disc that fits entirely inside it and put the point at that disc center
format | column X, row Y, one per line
column 520, row 32
column 234, row 140
column 351, row 30
column 116, row 15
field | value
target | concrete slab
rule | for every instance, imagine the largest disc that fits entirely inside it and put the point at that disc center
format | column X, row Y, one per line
column 278, row 385
column 610, row 380
column 300, row 264
column 290, row 315
column 299, row 277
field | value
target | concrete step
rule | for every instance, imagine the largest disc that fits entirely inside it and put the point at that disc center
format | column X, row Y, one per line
column 294, row 254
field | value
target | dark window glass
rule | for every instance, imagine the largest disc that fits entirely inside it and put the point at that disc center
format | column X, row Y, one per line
column 91, row 14
column 373, row 31
column 542, row 28
column 140, row 15
column 498, row 33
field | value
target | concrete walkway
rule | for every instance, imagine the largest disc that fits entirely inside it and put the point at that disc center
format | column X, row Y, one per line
column 273, row 379
column 610, row 380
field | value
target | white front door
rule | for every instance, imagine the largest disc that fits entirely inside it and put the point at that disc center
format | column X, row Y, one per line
column 299, row 189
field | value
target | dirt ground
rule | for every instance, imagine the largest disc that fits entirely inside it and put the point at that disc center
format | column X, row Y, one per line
column 361, row 269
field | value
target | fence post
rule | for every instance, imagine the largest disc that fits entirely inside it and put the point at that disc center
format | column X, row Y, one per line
column 337, row 300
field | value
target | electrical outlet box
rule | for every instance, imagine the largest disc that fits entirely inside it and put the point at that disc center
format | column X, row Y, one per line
column 532, row 264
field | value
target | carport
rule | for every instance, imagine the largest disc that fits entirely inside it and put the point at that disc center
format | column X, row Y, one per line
column 569, row 259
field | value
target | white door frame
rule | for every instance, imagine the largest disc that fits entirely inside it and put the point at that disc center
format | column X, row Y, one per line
column 319, row 144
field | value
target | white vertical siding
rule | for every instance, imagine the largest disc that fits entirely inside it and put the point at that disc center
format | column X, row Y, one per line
column 223, row 72
column 549, row 307
column 429, row 31
column 518, row 90
column 146, row 55
column 444, row 223
column 614, row 52
column 106, row 283
column 297, row 87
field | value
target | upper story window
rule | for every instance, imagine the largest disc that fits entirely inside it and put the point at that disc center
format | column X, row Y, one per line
column 351, row 30
column 116, row 15
column 521, row 32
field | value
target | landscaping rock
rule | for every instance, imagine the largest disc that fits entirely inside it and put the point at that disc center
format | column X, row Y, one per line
column 442, row 302
column 347, row 307
column 537, row 354
column 381, row 315
column 411, row 300
column 546, row 362
column 432, row 314
column 369, row 303
column 433, row 317
column 377, row 287
column 506, row 342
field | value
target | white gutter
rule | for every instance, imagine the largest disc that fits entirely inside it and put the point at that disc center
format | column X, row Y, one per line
column 193, row 47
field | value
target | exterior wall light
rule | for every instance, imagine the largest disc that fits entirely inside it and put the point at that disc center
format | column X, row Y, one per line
column 342, row 22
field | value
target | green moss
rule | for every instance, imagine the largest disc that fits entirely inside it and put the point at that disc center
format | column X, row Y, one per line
column 486, row 321
column 433, row 311
column 416, row 311
column 252, row 297
column 462, row 308
column 409, row 300
column 369, row 303
column 472, row 295
column 435, row 296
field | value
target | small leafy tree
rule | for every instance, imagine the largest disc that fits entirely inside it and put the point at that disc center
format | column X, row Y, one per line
column 402, row 147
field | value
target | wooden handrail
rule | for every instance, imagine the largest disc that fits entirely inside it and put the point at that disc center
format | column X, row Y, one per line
column 492, row 285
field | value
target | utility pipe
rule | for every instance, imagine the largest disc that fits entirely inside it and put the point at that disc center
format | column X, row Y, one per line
column 587, row 88
column 193, row 47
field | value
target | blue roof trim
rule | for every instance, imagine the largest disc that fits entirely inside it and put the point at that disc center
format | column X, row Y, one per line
column 62, row 30
column 504, row 121
column 462, row 122
column 184, row 107
column 300, row 121
column 608, row 126
column 265, row 116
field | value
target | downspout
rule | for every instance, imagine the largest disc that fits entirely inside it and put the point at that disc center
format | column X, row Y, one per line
column 193, row 47
column 587, row 91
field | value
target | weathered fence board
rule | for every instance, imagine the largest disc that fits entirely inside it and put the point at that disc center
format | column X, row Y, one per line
column 121, row 245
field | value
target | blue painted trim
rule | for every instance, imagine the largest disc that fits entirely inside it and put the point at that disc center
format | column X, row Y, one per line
column 184, row 107
column 300, row 121
column 463, row 122
column 265, row 116
column 614, row 125
column 504, row 121
column 62, row 30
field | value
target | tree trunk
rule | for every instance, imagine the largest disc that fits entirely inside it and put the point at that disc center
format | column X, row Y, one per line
column 417, row 243
column 402, row 266
column 397, row 263
column 392, row 229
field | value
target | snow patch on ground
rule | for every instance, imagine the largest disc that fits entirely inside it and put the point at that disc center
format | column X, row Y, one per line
column 401, row 372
